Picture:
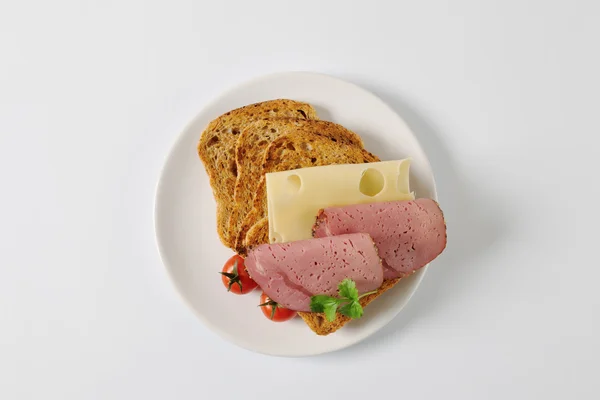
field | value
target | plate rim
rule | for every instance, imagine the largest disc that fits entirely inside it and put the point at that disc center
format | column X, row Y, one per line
column 181, row 137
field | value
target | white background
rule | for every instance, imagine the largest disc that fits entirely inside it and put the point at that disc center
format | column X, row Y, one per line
column 503, row 95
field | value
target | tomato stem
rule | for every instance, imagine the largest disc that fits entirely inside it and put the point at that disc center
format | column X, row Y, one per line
column 273, row 305
column 234, row 277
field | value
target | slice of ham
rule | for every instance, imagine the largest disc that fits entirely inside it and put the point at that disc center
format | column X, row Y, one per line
column 408, row 234
column 290, row 273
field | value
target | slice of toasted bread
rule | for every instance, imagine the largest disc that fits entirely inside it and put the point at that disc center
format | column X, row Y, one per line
column 251, row 147
column 298, row 150
column 216, row 149
column 319, row 324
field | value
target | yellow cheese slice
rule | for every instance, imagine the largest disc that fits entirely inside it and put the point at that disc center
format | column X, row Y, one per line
column 295, row 197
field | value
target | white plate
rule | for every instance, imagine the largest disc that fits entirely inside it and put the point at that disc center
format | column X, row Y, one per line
column 185, row 215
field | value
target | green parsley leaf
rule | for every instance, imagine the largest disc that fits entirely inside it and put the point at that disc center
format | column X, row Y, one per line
column 352, row 310
column 330, row 308
column 323, row 303
column 316, row 302
column 347, row 289
column 348, row 303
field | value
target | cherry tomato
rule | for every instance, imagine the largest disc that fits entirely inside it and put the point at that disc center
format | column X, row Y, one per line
column 235, row 276
column 274, row 311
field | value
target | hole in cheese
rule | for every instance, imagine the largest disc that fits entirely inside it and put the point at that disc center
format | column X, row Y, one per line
column 276, row 238
column 371, row 182
column 294, row 183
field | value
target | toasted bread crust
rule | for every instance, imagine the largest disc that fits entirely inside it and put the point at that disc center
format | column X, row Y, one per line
column 258, row 233
column 216, row 149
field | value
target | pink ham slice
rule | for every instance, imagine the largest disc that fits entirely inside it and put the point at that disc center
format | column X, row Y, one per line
column 290, row 273
column 408, row 234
